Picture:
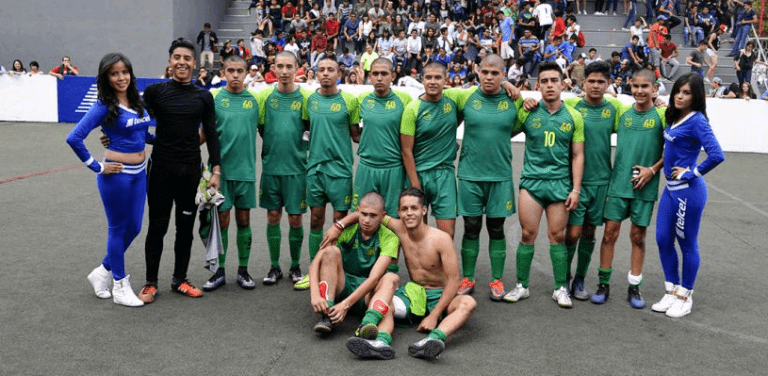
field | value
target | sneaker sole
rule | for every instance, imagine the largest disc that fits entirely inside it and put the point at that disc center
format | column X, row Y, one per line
column 598, row 301
column 516, row 300
column 467, row 291
column 496, row 298
column 187, row 294
column 246, row 286
column 363, row 349
column 323, row 329
column 430, row 350
column 637, row 304
column 214, row 286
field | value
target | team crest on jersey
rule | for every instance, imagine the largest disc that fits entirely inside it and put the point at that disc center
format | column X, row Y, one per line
column 447, row 108
column 336, row 107
column 426, row 115
column 476, row 104
column 503, row 106
column 649, row 123
column 314, row 105
column 566, row 127
column 303, row 205
column 371, row 251
column 274, row 103
column 606, row 113
column 347, row 200
column 628, row 122
column 391, row 105
column 225, row 102
column 296, row 105
column 509, row 205
column 536, row 123
column 248, row 104
column 371, row 103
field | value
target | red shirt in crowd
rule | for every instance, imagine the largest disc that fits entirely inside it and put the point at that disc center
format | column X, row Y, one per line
column 270, row 77
column 319, row 43
column 289, row 10
column 667, row 49
column 332, row 27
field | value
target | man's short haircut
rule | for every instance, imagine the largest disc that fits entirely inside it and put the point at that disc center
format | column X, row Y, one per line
column 338, row 66
column 207, row 24
column 601, row 67
column 667, row 37
column 236, row 59
column 437, row 65
column 494, row 60
column 645, row 73
column 374, row 199
column 550, row 66
column 635, row 37
column 615, row 53
column 288, row 54
column 592, row 49
column 240, row 40
column 385, row 61
column 414, row 192
column 34, row 63
column 181, row 43
column 703, row 41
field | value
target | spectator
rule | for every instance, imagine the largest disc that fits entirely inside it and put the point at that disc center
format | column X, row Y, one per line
column 366, row 27
column 631, row 13
column 398, row 24
column 432, row 23
column 655, row 36
column 525, row 20
column 666, row 13
column 207, row 40
column 350, row 78
column 507, row 29
column 346, row 59
column 629, row 52
column 459, row 58
column 371, row 39
column 319, row 45
column 257, row 47
column 567, row 48
column 344, row 10
column 271, row 76
column 298, row 25
column 301, row 74
column 717, row 88
column 203, row 78
column 742, row 26
column 558, row 27
column 350, row 31
column 692, row 27
column 713, row 45
column 576, row 70
column 288, row 11
column 744, row 62
column 218, row 79
column 486, row 40
column 329, row 8
column 573, row 28
column 311, row 77
column 592, row 57
column 615, row 64
column 359, row 74
column 304, row 44
column 458, row 71
column 278, row 40
column 528, row 48
column 413, row 46
column 442, row 57
column 400, row 50
column 668, row 57
column 384, row 45
column 544, row 14
column 276, row 15
column 696, row 60
column 637, row 29
column 332, row 30
column 426, row 58
column 253, row 77
column 293, row 46
column 34, row 68
column 65, row 69
column 17, row 67
column 764, row 96
column 616, row 87
column 263, row 18
column 243, row 51
column 745, row 91
column 367, row 58
column 360, row 9
column 314, row 17
column 376, row 13
column 515, row 71
column 411, row 81
column 552, row 50
column 608, row 6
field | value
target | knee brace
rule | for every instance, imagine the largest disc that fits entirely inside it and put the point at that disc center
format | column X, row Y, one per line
column 401, row 311
column 495, row 228
column 472, row 227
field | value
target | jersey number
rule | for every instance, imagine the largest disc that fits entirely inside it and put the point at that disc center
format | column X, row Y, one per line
column 549, row 139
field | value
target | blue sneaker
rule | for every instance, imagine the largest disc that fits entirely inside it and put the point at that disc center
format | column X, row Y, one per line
column 634, row 298
column 577, row 289
column 601, row 295
column 217, row 280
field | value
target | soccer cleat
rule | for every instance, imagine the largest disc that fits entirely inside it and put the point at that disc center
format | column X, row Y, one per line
column 518, row 293
column 577, row 288
column 324, row 326
column 497, row 290
column 601, row 295
column 367, row 331
column 682, row 305
column 217, row 280
column 427, row 348
column 244, row 280
column 123, row 294
column 303, row 284
column 274, row 275
column 368, row 349
column 466, row 286
column 634, row 297
column 99, row 279
column 562, row 298
column 295, row 274
column 147, row 294
column 186, row 288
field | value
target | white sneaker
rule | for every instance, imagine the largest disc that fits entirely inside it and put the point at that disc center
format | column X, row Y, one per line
column 519, row 292
column 598, row 13
column 667, row 300
column 99, row 279
column 562, row 297
column 682, row 305
column 614, row 13
column 123, row 294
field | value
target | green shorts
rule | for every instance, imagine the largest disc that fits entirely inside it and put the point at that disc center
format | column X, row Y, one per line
column 389, row 182
column 240, row 194
column 439, row 184
column 350, row 285
column 278, row 191
column 620, row 208
column 495, row 199
column 547, row 192
column 322, row 189
column 433, row 296
column 591, row 206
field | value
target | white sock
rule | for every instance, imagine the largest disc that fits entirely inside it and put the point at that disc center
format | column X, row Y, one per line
column 634, row 279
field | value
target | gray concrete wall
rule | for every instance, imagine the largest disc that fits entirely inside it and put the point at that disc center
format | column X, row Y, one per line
column 44, row 30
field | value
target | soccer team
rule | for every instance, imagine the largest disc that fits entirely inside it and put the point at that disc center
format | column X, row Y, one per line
column 407, row 152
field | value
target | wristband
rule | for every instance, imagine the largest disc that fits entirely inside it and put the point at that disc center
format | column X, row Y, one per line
column 217, row 172
column 577, row 191
column 339, row 226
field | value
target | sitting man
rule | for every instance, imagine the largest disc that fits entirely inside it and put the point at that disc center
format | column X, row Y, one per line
column 429, row 298
column 341, row 276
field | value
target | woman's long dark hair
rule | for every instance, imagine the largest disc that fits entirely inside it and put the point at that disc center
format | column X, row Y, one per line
column 699, row 103
column 107, row 93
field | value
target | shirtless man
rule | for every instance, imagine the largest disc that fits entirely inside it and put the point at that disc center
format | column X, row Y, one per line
column 429, row 300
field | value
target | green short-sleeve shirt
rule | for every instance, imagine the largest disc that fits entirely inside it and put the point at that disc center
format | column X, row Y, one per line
column 330, row 144
column 599, row 123
column 358, row 256
column 380, row 140
column 548, row 139
column 486, row 150
column 283, row 151
column 237, row 118
column 433, row 125
column 639, row 141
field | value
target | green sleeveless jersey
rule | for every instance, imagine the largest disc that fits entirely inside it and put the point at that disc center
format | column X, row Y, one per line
column 380, row 140
column 283, row 151
column 598, row 127
column 330, row 144
column 237, row 119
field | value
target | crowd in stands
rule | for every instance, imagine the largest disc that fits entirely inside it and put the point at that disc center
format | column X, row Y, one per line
column 64, row 69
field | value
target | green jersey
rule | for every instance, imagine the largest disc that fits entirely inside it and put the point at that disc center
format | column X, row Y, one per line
column 283, row 151
column 639, row 142
column 330, row 144
column 598, row 127
column 433, row 126
column 380, row 140
column 548, row 139
column 358, row 255
column 237, row 119
column 486, row 150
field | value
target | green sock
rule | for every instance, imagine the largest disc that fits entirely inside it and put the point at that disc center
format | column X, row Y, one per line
column 225, row 245
column 604, row 275
column 330, row 303
column 315, row 238
column 438, row 334
column 586, row 247
column 571, row 249
column 558, row 255
column 469, row 251
column 295, row 240
column 384, row 337
column 497, row 249
column 273, row 241
column 523, row 260
column 372, row 316
column 244, row 237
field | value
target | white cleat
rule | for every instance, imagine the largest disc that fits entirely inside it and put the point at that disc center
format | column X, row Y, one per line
column 518, row 293
column 562, row 297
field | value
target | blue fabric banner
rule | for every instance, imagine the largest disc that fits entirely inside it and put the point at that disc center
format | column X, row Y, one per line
column 76, row 95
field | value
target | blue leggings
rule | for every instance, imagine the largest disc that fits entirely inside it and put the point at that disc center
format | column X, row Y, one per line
column 123, row 195
column 679, row 217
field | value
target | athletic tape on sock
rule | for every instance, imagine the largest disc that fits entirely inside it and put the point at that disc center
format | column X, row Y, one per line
column 380, row 306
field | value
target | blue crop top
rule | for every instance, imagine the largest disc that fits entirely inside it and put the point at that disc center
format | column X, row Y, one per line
column 128, row 134
column 683, row 142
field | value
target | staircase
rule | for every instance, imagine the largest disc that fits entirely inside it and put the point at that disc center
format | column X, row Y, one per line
column 237, row 24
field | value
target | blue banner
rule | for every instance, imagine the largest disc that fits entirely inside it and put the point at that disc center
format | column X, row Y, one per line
column 76, row 95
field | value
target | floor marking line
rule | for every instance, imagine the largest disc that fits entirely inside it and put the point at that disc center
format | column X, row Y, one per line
column 20, row 177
